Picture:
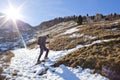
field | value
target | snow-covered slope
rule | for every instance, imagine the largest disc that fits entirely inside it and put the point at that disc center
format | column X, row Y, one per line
column 22, row 67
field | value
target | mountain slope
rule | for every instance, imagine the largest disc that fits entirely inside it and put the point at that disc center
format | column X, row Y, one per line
column 97, row 43
column 100, row 47
column 86, row 19
column 50, row 23
column 12, row 33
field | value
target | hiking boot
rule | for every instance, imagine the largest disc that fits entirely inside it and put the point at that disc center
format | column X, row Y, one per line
column 38, row 62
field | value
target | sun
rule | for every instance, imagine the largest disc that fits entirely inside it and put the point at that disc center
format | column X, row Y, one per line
column 13, row 13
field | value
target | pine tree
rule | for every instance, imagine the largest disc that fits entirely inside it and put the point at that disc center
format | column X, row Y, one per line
column 87, row 15
column 79, row 20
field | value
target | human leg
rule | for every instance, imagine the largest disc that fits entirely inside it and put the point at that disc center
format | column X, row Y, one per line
column 46, row 55
column 47, row 51
column 41, row 52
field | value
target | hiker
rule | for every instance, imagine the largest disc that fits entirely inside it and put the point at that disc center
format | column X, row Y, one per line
column 42, row 44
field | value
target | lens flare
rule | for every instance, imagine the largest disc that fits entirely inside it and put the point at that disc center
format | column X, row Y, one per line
column 20, row 35
column 12, row 13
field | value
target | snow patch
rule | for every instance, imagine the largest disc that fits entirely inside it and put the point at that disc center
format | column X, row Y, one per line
column 116, row 22
column 71, row 30
column 76, row 35
column 112, row 29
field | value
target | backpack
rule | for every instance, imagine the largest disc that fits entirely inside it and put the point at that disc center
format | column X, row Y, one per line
column 41, row 40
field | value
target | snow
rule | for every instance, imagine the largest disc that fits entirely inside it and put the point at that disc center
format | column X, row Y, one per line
column 86, row 37
column 112, row 29
column 3, row 49
column 89, row 37
column 99, row 41
column 116, row 22
column 23, row 65
column 1, row 37
column 0, row 65
column 76, row 35
column 71, row 30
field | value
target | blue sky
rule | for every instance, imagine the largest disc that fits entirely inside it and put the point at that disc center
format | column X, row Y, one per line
column 37, row 11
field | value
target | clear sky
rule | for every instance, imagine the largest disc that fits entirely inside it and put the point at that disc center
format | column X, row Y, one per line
column 37, row 11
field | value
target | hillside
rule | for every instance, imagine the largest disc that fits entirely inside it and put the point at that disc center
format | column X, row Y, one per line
column 97, row 45
column 86, row 19
column 50, row 23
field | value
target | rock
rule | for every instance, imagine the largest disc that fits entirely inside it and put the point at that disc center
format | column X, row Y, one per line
column 14, row 73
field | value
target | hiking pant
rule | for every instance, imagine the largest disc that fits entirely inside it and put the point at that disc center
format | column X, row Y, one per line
column 43, row 48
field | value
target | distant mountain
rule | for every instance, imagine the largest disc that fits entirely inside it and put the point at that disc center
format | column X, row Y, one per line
column 12, row 32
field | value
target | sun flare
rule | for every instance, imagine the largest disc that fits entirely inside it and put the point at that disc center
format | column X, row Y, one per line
column 13, row 13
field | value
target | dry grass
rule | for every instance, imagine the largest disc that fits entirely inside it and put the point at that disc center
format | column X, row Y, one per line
column 32, row 45
column 8, row 56
column 5, row 58
column 98, row 30
column 97, row 56
column 65, row 42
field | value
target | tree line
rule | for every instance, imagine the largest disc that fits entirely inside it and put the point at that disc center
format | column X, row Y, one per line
column 80, row 19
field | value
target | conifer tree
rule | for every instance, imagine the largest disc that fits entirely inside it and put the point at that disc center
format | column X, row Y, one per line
column 79, row 20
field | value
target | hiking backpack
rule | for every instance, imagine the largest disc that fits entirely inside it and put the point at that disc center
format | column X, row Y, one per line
column 41, row 40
